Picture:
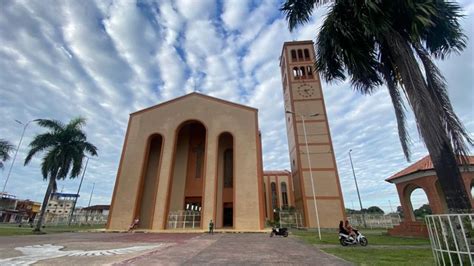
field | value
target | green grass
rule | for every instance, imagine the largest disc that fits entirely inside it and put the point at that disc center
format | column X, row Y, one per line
column 375, row 237
column 382, row 249
column 383, row 256
column 13, row 229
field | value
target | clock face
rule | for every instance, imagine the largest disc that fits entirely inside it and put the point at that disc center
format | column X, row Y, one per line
column 305, row 90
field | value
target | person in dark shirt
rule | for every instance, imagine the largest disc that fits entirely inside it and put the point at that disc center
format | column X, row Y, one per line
column 211, row 227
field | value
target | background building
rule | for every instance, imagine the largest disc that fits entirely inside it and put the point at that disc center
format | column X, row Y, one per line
column 59, row 206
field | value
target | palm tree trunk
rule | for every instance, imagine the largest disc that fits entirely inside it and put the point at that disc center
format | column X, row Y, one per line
column 430, row 125
column 45, row 202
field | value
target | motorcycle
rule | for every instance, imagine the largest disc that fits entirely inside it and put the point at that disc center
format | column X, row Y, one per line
column 279, row 232
column 346, row 239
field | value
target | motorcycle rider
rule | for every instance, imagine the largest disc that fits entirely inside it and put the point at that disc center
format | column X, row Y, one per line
column 342, row 230
column 350, row 230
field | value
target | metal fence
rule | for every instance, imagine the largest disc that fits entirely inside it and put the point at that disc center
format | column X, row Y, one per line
column 184, row 220
column 452, row 238
column 78, row 219
column 290, row 219
column 374, row 220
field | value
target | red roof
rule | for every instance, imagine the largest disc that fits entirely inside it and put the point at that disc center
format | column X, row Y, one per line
column 422, row 165
column 276, row 172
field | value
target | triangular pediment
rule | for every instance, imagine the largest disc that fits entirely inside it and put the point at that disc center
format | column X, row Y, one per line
column 195, row 95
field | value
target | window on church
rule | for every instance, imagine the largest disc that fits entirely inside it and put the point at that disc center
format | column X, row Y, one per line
column 284, row 194
column 300, row 54
column 293, row 55
column 309, row 70
column 228, row 167
column 265, row 198
column 296, row 73
column 199, row 150
column 302, row 72
column 306, row 54
column 274, row 196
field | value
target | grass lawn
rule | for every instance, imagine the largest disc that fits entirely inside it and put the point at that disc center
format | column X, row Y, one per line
column 383, row 256
column 13, row 229
column 382, row 249
column 375, row 237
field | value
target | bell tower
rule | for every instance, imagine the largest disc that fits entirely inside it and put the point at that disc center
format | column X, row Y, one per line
column 313, row 165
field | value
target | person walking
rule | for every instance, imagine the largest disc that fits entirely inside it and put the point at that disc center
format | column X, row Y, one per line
column 211, row 227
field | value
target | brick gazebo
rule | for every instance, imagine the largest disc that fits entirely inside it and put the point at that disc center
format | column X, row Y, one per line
column 422, row 175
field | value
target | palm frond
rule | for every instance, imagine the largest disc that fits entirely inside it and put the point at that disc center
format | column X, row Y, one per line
column 5, row 149
column 439, row 94
column 51, row 124
column 445, row 34
column 76, row 123
column 299, row 11
column 399, row 108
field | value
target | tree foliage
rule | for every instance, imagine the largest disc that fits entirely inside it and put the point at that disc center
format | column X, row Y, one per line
column 63, row 147
column 5, row 149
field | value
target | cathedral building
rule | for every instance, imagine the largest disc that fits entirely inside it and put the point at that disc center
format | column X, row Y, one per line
column 197, row 158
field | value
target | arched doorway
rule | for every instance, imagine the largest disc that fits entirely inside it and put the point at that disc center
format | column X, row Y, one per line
column 418, row 202
column 145, row 204
column 225, row 181
column 188, row 173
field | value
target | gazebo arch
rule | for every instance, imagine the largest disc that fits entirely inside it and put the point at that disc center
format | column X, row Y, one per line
column 422, row 175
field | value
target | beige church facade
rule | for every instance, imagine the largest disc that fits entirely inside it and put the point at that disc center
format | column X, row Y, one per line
column 197, row 158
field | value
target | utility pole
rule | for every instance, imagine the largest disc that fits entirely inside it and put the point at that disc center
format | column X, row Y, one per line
column 16, row 152
column 357, row 188
column 310, row 169
column 78, row 190
column 92, row 192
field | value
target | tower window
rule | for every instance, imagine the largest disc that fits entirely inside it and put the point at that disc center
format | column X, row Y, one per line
column 293, row 55
column 296, row 73
column 306, row 54
column 302, row 72
column 309, row 71
column 300, row 54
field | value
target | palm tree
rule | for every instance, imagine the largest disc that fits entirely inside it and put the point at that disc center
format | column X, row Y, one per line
column 64, row 147
column 5, row 149
column 393, row 43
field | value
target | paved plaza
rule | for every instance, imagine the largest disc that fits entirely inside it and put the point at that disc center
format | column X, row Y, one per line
column 159, row 249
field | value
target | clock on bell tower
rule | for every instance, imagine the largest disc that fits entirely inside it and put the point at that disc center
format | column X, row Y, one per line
column 313, row 164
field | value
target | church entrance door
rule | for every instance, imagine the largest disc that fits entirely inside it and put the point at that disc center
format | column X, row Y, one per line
column 228, row 220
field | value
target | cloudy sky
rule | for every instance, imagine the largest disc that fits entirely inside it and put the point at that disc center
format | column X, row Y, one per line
column 105, row 59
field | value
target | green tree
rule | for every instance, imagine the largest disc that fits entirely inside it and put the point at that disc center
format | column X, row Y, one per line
column 375, row 210
column 394, row 43
column 5, row 149
column 421, row 212
column 64, row 147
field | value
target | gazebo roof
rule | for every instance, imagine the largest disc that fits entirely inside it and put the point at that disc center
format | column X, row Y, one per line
column 422, row 165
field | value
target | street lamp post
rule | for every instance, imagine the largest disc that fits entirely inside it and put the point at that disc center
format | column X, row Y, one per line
column 16, row 152
column 357, row 188
column 78, row 190
column 88, row 205
column 310, row 169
